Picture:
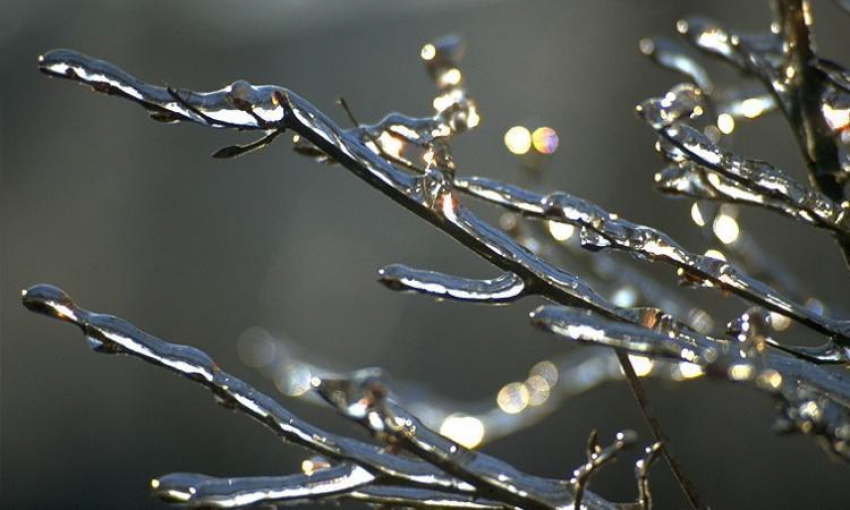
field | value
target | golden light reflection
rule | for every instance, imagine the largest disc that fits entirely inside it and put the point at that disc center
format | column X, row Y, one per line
column 545, row 140
column 560, row 231
column 716, row 254
column 391, row 145
column 448, row 206
column 467, row 431
column 444, row 101
column 696, row 215
column 752, row 107
column 155, row 483
column 725, row 123
column 726, row 228
column 428, row 52
column 770, row 379
column 790, row 72
column 451, row 77
column 713, row 38
column 518, row 140
column 690, row 370
column 513, row 397
column 310, row 466
column 538, row 390
column 740, row 372
column 547, row 370
column 641, row 364
column 472, row 118
column 811, row 410
column 428, row 157
column 778, row 321
column 837, row 118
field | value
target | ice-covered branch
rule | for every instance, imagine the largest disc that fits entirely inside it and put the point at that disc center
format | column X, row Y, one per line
column 597, row 457
column 341, row 482
column 705, row 170
column 429, row 195
column 670, row 54
column 603, row 230
column 363, row 398
column 642, row 467
column 200, row 491
column 786, row 65
column 362, row 469
column 110, row 334
column 815, row 400
column 515, row 403
column 503, row 289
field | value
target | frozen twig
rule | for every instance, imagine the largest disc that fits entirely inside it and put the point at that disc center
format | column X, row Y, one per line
column 359, row 463
column 603, row 230
column 642, row 467
column 429, row 195
column 471, row 423
column 362, row 472
column 814, row 400
column 503, row 289
column 362, row 397
column 333, row 483
column 705, row 170
column 109, row 334
column 788, row 68
column 596, row 458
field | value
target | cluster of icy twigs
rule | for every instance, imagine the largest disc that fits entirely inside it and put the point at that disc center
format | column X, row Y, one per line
column 410, row 161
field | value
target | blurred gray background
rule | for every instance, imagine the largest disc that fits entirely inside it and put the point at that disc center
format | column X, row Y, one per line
column 133, row 218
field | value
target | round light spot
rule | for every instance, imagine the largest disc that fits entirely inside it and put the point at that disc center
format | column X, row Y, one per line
column 726, row 229
column 560, row 231
column 256, row 348
column 725, row 123
column 697, row 216
column 513, row 398
column 545, row 140
column 518, row 140
column 467, row 431
column 428, row 52
column 547, row 370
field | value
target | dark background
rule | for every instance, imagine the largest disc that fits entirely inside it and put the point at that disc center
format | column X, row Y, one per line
column 133, row 218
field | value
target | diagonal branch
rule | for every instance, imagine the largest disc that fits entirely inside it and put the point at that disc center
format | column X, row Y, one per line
column 110, row 334
column 429, row 195
column 786, row 65
column 752, row 181
column 603, row 230
column 813, row 400
column 336, row 483
column 363, row 398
